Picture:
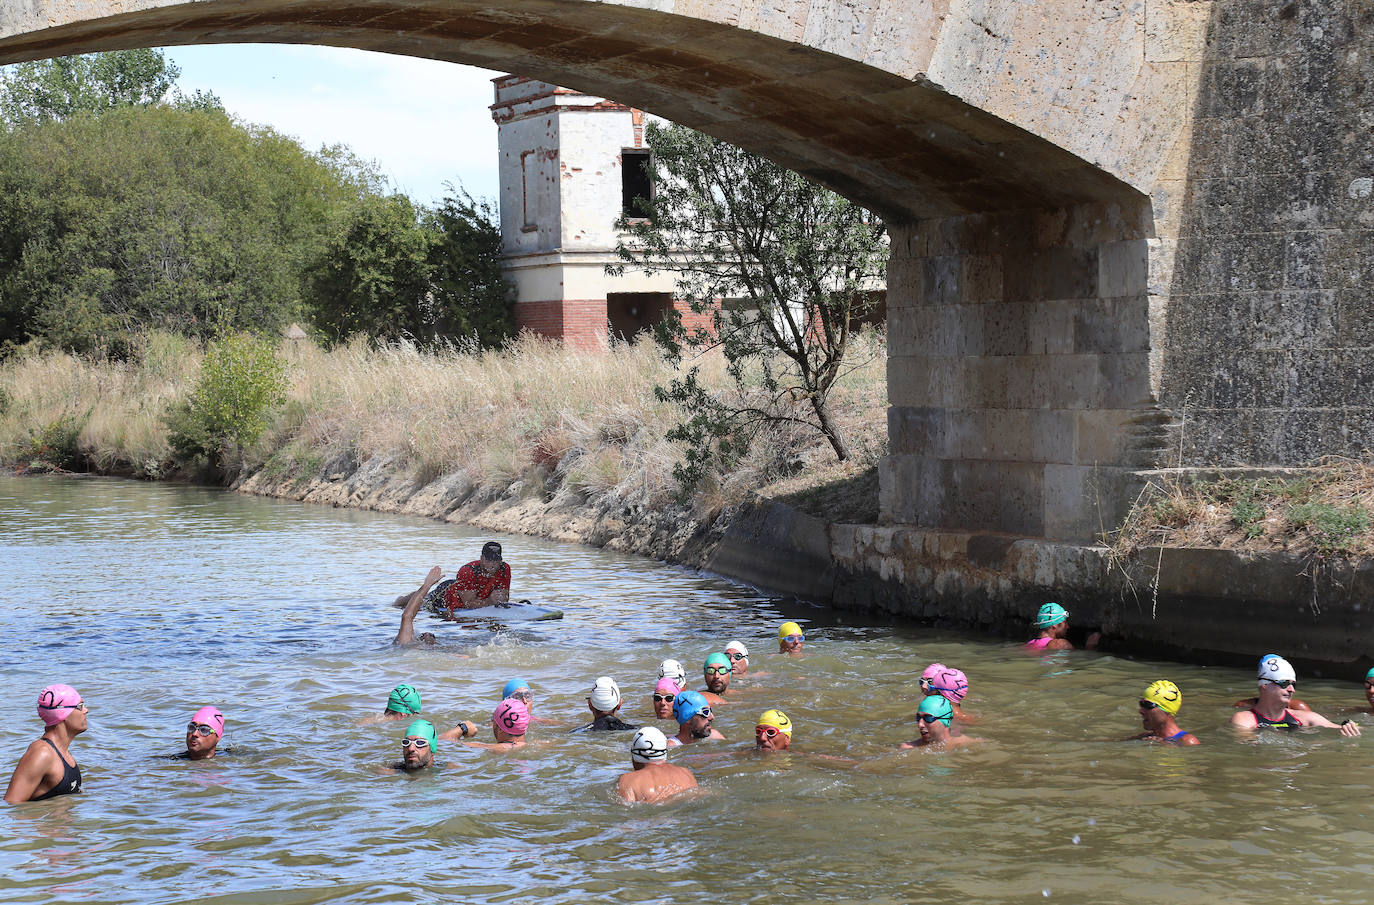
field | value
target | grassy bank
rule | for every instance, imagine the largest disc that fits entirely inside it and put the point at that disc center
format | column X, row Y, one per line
column 578, row 424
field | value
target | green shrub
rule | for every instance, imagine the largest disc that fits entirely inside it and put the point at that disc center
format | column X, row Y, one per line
column 54, row 447
column 241, row 380
column 1332, row 527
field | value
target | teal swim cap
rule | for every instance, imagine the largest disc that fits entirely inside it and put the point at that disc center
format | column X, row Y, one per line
column 424, row 729
column 938, row 706
column 717, row 659
column 403, row 699
column 1051, row 614
column 1369, row 675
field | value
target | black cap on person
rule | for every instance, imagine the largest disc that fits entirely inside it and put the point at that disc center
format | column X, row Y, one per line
column 491, row 550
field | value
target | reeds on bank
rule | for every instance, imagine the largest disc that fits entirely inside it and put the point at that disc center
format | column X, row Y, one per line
column 582, row 423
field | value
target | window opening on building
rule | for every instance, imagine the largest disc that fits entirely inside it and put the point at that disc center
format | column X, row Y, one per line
column 630, row 313
column 529, row 190
column 636, row 182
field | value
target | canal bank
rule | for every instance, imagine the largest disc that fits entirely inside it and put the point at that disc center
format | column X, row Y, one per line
column 1191, row 604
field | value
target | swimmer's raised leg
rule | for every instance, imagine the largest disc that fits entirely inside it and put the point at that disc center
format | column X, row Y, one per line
column 406, row 635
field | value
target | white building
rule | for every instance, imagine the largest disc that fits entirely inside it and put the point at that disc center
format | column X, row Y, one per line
column 570, row 164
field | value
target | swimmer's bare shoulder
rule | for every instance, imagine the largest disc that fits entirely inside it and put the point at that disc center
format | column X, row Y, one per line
column 655, row 784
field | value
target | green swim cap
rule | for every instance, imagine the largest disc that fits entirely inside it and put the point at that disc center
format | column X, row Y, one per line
column 938, row 706
column 716, row 659
column 403, row 699
column 424, row 729
column 1051, row 614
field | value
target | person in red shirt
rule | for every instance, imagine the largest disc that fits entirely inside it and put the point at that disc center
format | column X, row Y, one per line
column 482, row 582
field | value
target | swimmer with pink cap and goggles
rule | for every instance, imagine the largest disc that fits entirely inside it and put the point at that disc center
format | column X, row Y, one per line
column 203, row 733
column 48, row 768
column 509, row 721
column 949, row 683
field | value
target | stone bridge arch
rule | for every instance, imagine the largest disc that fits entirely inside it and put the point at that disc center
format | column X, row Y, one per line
column 1053, row 172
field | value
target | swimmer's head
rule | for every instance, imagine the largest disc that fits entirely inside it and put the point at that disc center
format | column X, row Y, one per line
column 931, row 671
column 605, row 695
column 512, row 717
column 790, row 638
column 716, row 670
column 665, row 693
column 938, row 707
column 773, row 731
column 738, row 654
column 403, row 699
column 1164, row 695
column 1276, row 670
column 688, row 705
column 57, row 702
column 209, row 716
column 419, row 745
column 649, row 746
column 517, row 688
column 1050, row 615
column 788, row 628
column 949, row 682
column 673, row 669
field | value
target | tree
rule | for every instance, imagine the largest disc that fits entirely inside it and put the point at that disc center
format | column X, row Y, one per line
column 471, row 294
column 794, row 264
column 157, row 217
column 55, row 89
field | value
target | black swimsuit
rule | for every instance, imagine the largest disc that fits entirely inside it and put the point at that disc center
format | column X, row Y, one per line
column 1287, row 721
column 70, row 781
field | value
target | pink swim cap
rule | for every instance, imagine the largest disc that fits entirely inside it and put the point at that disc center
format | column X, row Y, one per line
column 511, row 716
column 666, row 684
column 950, row 682
column 933, row 670
column 211, row 717
column 56, row 703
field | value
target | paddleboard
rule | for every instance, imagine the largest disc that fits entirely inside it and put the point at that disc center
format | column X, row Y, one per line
column 515, row 611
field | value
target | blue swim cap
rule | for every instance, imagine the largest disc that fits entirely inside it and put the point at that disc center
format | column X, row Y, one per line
column 512, row 687
column 687, row 705
column 938, row 706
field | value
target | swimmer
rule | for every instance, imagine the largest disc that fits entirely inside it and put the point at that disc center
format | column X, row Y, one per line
column 694, row 719
column 604, row 703
column 952, row 683
column 790, row 638
column 773, row 732
column 1052, row 623
column 404, row 701
column 482, row 582
column 653, row 779
column 509, row 721
column 934, row 719
column 520, row 690
column 716, row 671
column 410, row 606
column 665, row 692
column 418, row 747
column 1247, row 703
column 203, row 734
column 48, row 769
column 674, row 670
column 739, row 657
column 1277, row 680
column 1158, row 707
column 1368, row 692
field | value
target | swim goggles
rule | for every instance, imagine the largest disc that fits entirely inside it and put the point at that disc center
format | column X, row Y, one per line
column 927, row 718
column 415, row 742
column 793, row 639
column 200, row 729
column 1147, row 705
column 1282, row 683
column 719, row 670
column 735, row 655
column 664, row 698
column 767, row 731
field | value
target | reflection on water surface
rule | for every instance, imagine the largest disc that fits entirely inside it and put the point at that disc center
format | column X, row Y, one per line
column 153, row 600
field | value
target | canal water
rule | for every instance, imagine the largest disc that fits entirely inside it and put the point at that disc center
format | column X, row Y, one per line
column 153, row 600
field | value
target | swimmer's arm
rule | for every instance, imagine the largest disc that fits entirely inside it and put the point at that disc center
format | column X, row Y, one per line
column 1059, row 644
column 1243, row 719
column 1349, row 728
column 624, row 787
column 406, row 634
column 464, row 729
column 29, row 773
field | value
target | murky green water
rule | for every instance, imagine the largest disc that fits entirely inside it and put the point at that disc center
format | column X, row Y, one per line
column 153, row 600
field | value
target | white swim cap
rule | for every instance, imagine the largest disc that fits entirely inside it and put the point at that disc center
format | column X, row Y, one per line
column 649, row 746
column 671, row 669
column 1276, row 669
column 739, row 646
column 605, row 694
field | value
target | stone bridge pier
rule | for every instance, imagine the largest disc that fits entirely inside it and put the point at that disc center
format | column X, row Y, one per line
column 1126, row 234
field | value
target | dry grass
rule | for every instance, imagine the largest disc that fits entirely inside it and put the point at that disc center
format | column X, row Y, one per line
column 577, row 425
column 1328, row 509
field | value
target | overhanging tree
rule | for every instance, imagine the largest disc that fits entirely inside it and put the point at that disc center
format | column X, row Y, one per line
column 795, row 265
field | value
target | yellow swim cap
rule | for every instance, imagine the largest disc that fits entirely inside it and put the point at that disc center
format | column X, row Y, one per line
column 778, row 720
column 1165, row 695
column 788, row 628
